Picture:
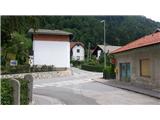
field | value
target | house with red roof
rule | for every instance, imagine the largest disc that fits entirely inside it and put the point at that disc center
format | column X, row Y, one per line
column 138, row 62
column 77, row 51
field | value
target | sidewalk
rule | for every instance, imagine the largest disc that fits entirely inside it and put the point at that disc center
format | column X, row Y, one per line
column 127, row 86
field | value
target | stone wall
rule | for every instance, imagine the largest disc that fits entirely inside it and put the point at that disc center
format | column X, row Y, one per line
column 40, row 75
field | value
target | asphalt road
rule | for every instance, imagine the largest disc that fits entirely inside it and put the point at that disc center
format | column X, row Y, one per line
column 81, row 89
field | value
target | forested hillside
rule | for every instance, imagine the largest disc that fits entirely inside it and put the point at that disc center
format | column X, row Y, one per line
column 120, row 30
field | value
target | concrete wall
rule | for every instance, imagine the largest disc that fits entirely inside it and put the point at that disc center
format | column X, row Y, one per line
column 133, row 57
column 52, row 53
column 75, row 53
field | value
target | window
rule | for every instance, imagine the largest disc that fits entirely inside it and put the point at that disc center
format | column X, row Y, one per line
column 145, row 69
column 78, row 50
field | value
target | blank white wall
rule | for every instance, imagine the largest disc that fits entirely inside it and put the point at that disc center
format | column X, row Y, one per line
column 51, row 53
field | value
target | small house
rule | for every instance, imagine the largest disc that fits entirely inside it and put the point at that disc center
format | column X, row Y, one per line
column 101, row 49
column 51, row 47
column 139, row 61
column 77, row 51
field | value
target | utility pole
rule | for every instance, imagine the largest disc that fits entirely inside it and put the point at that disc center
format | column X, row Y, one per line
column 103, row 21
column 88, row 52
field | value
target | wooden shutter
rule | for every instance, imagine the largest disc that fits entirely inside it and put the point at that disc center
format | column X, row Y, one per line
column 145, row 69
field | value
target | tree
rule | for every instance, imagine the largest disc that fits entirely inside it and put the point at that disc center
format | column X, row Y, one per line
column 19, row 45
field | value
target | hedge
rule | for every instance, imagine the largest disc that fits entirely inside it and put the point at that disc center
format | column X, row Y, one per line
column 7, row 92
column 94, row 68
column 108, row 72
column 26, row 69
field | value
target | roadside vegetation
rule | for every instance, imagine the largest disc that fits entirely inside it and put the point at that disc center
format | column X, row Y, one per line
column 7, row 92
column 26, row 69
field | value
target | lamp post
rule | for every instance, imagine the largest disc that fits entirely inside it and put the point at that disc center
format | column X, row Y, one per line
column 103, row 21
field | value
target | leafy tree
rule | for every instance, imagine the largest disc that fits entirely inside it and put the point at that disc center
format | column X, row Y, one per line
column 119, row 30
column 18, row 45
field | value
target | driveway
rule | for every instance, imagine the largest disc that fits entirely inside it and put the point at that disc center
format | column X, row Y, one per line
column 82, row 89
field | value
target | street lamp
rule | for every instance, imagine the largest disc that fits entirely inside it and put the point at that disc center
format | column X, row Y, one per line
column 103, row 21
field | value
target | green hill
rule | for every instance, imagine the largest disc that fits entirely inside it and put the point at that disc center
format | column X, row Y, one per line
column 119, row 29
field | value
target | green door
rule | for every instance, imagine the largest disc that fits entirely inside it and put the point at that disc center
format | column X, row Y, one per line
column 125, row 72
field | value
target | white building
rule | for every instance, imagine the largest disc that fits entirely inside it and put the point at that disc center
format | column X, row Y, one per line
column 51, row 47
column 77, row 51
column 101, row 49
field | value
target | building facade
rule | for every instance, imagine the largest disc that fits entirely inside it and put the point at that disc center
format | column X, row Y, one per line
column 101, row 49
column 139, row 61
column 51, row 47
column 77, row 51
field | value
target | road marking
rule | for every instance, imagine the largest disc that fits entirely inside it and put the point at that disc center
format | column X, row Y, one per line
column 62, row 83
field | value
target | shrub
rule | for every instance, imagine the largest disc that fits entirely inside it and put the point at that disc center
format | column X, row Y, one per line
column 43, row 68
column 76, row 63
column 108, row 72
column 95, row 68
column 6, row 92
column 50, row 68
column 26, row 69
column 23, row 68
column 92, row 62
column 16, row 69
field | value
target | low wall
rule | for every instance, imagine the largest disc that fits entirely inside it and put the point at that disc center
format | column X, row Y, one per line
column 41, row 75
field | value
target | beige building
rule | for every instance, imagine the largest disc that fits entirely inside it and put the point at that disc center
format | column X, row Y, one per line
column 101, row 49
column 139, row 61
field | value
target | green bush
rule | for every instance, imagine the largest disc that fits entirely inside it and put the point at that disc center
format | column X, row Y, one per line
column 51, row 68
column 92, row 62
column 6, row 92
column 23, row 68
column 95, row 68
column 43, row 68
column 76, row 63
column 108, row 72
column 16, row 69
column 26, row 69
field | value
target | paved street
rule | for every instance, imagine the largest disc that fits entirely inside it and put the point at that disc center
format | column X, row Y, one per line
column 81, row 89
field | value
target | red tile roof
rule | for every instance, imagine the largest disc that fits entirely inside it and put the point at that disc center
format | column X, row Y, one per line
column 72, row 44
column 141, row 42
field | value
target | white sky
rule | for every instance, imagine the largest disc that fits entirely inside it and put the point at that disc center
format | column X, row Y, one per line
column 148, row 8
column 155, row 18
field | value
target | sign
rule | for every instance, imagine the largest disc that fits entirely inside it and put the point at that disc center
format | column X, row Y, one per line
column 13, row 62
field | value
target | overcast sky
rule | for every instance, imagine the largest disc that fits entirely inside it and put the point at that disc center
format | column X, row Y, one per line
column 155, row 18
column 148, row 8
